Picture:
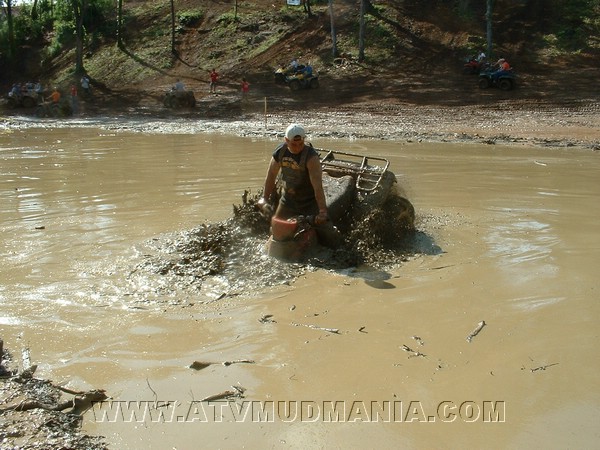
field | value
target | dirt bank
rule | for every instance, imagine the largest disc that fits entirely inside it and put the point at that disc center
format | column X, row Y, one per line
column 547, row 110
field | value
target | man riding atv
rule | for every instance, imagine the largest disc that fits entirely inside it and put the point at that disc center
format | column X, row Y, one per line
column 500, row 75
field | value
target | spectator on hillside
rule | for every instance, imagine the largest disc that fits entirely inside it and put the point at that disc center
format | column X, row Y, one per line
column 39, row 90
column 74, row 100
column 55, row 96
column 214, row 77
column 16, row 90
column 85, row 85
column 308, row 70
column 245, row 87
column 179, row 86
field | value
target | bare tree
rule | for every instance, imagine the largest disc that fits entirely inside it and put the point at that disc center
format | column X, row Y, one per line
column 120, row 43
column 334, row 49
column 488, row 18
column 361, row 31
column 34, row 10
column 12, row 51
column 173, row 49
column 79, row 9
column 307, row 10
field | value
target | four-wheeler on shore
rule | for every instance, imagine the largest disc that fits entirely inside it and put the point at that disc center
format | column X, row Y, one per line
column 505, row 79
column 179, row 99
column 302, row 81
column 26, row 97
column 301, row 77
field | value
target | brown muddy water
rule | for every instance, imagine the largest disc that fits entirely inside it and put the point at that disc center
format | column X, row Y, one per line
column 518, row 242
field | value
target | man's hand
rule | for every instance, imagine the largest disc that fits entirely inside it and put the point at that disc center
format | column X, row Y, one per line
column 265, row 207
column 321, row 218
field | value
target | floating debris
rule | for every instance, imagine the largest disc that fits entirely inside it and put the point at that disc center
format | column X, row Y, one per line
column 476, row 331
column 316, row 327
column 412, row 352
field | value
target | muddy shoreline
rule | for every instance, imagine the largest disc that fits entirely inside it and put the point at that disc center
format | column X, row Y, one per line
column 575, row 123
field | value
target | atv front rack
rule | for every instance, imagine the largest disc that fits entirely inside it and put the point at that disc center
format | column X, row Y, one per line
column 367, row 176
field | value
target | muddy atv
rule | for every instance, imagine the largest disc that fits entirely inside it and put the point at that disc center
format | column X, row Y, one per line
column 54, row 110
column 354, row 186
column 505, row 80
column 282, row 74
column 27, row 99
column 302, row 81
column 179, row 99
column 296, row 78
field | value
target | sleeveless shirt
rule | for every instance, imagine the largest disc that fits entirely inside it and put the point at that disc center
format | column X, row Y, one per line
column 298, row 193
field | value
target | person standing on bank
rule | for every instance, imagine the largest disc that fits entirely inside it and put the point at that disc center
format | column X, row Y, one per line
column 302, row 178
column 214, row 77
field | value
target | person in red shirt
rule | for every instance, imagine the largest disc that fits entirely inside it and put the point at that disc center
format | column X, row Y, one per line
column 214, row 76
column 74, row 100
column 245, row 87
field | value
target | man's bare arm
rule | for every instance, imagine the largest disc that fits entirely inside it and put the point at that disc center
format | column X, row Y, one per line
column 272, row 172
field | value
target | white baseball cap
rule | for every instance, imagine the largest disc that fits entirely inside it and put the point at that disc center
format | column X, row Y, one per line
column 295, row 130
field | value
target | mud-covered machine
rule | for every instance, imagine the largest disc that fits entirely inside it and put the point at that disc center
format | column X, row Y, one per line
column 354, row 185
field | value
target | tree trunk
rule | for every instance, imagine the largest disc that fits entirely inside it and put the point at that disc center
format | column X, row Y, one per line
column 120, row 25
column 307, row 10
column 334, row 50
column 173, row 49
column 34, row 10
column 12, row 51
column 79, row 13
column 488, row 18
column 361, row 31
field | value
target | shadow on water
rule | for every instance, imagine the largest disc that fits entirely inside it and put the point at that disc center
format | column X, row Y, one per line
column 414, row 242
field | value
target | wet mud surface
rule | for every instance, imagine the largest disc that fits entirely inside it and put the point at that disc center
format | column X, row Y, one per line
column 224, row 259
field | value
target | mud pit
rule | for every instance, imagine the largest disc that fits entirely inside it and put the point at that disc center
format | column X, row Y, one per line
column 450, row 212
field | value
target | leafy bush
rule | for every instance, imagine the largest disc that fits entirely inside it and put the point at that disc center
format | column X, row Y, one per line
column 227, row 19
column 189, row 18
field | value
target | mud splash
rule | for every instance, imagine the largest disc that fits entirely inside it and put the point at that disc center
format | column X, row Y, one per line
column 228, row 258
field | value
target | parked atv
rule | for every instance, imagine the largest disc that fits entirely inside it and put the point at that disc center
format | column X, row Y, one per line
column 284, row 72
column 27, row 98
column 179, row 99
column 54, row 110
column 475, row 67
column 505, row 80
column 297, row 78
column 302, row 81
